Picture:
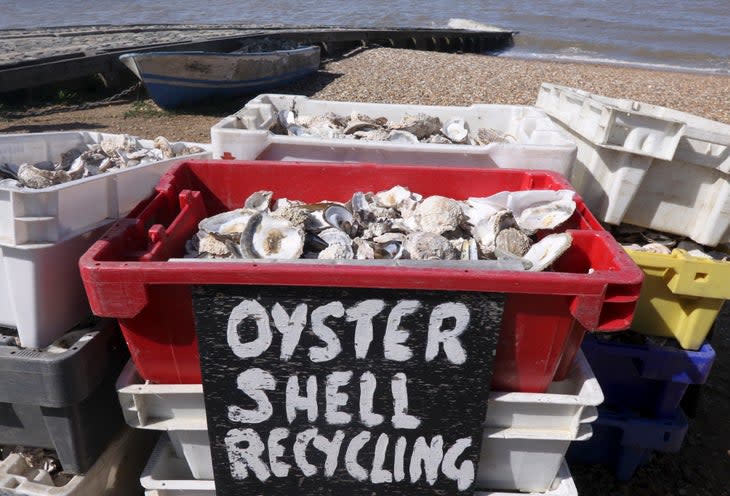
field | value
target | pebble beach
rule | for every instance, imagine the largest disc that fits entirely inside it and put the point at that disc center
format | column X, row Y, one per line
column 387, row 75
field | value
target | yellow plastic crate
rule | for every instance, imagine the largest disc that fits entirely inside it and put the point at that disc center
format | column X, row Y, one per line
column 681, row 295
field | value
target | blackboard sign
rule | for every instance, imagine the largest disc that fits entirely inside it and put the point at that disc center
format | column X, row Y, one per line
column 345, row 391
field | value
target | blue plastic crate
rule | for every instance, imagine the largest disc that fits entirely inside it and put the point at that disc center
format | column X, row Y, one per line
column 645, row 377
column 624, row 441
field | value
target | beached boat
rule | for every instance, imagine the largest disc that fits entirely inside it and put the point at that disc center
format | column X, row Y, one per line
column 176, row 79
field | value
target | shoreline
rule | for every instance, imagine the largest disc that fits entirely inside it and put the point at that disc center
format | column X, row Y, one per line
column 391, row 75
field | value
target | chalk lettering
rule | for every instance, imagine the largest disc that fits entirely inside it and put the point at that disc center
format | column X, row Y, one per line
column 249, row 457
column 377, row 474
column 363, row 314
column 242, row 311
column 332, row 346
column 331, row 449
column 300, row 452
column 367, row 391
column 254, row 382
column 394, row 335
column 295, row 402
column 334, row 399
column 276, row 451
column 450, row 339
column 464, row 474
column 351, row 464
column 401, row 419
column 290, row 327
column 428, row 456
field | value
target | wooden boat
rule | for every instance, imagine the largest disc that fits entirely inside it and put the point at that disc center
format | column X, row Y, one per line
column 176, row 79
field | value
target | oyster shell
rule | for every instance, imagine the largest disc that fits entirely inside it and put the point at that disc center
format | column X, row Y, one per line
column 271, row 237
column 455, row 130
column 429, row 246
column 341, row 218
column 397, row 136
column 512, row 241
column 337, row 252
column 486, row 231
column 546, row 251
column 259, row 201
column 392, row 197
column 438, row 214
column 420, row 125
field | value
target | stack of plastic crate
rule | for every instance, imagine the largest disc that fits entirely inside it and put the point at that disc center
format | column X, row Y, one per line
column 543, row 397
column 652, row 167
column 58, row 365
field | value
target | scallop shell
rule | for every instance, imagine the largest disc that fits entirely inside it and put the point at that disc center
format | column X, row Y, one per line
column 455, row 129
column 429, row 246
column 546, row 251
column 271, row 237
column 438, row 214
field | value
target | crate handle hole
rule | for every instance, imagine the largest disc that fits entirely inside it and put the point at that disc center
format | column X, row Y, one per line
column 701, row 276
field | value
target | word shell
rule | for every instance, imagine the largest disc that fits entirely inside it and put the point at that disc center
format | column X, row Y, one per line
column 444, row 397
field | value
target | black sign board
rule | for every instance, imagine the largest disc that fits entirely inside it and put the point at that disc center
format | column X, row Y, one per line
column 345, row 391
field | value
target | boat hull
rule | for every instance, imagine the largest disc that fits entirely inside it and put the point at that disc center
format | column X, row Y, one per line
column 176, row 79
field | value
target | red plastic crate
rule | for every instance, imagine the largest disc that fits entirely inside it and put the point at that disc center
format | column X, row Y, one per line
column 126, row 274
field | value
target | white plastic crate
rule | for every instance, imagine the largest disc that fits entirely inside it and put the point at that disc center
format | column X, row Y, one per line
column 688, row 195
column 115, row 473
column 562, row 486
column 612, row 126
column 515, row 424
column 525, row 460
column 51, row 214
column 564, row 406
column 677, row 197
column 540, row 144
column 41, row 290
column 166, row 474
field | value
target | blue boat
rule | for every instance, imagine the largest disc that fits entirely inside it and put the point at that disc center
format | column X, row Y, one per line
column 177, row 79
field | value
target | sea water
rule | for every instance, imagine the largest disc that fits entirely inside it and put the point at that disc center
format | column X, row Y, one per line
column 666, row 34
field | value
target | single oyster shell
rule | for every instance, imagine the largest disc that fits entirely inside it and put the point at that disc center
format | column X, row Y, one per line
column 455, row 129
column 341, row 218
column 231, row 222
column 363, row 250
column 213, row 245
column 402, row 137
column 420, row 125
column 477, row 210
column 388, row 250
column 334, row 236
column 33, row 177
column 513, row 241
column 355, row 126
column 429, row 246
column 438, row 139
column 271, row 237
column 486, row 231
column 337, row 251
column 259, row 201
column 164, row 146
column 547, row 216
column 486, row 136
column 655, row 248
column 438, row 214
column 372, row 135
column 546, row 251
column 393, row 197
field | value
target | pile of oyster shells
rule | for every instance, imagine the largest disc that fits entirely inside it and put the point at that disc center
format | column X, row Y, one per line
column 392, row 224
column 411, row 129
column 111, row 154
column 640, row 239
